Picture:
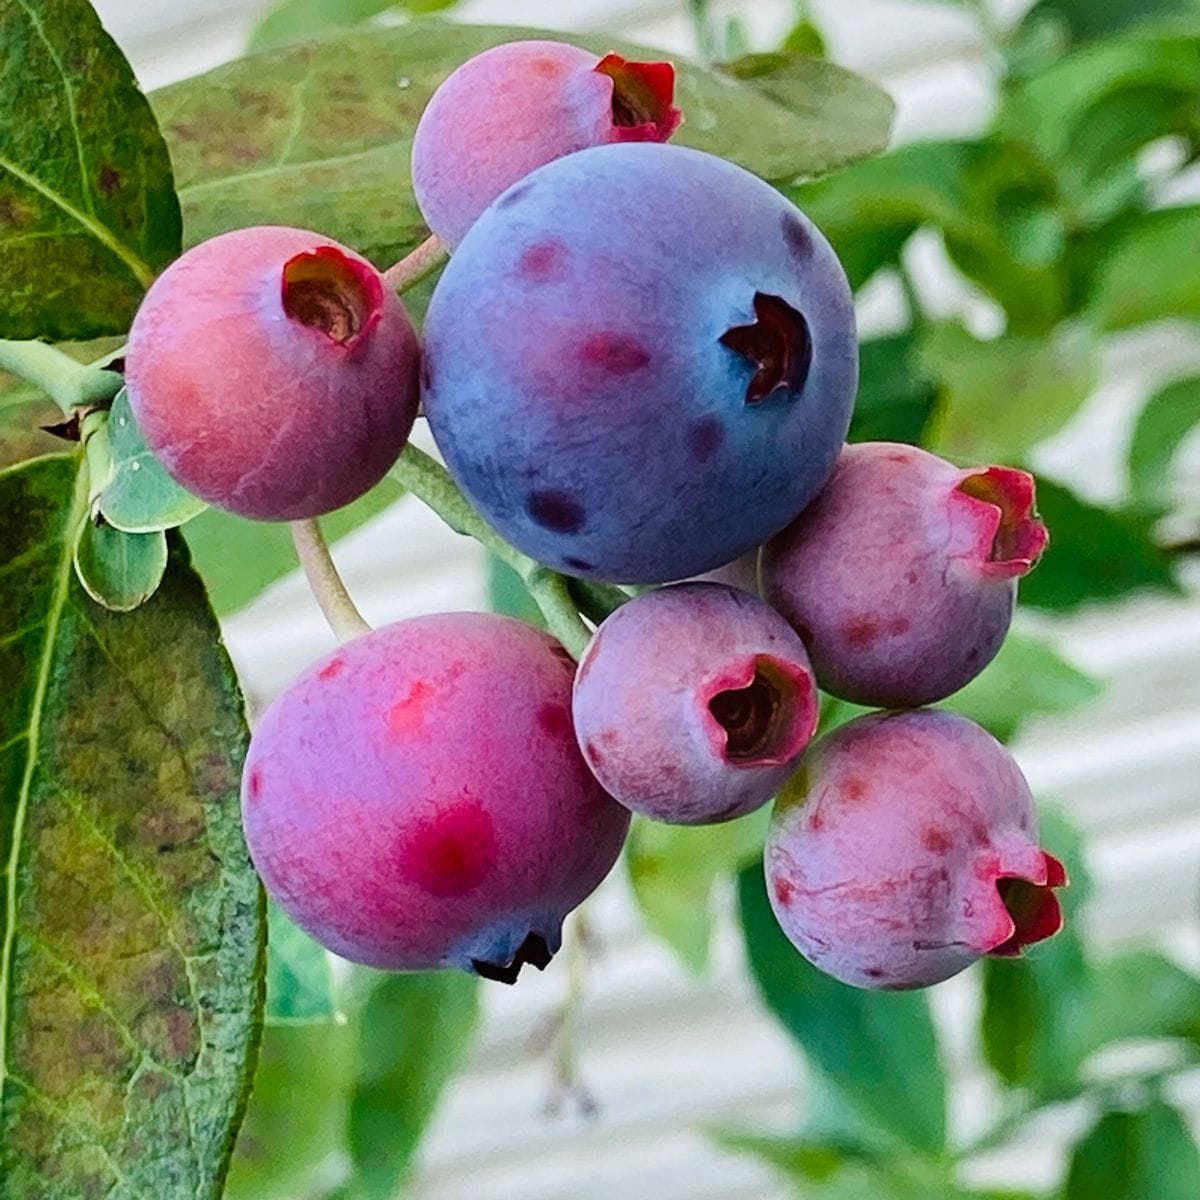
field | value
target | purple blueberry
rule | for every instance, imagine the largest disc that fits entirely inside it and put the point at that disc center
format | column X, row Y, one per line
column 417, row 799
column 905, row 849
column 694, row 703
column 641, row 363
column 273, row 373
column 901, row 577
column 514, row 108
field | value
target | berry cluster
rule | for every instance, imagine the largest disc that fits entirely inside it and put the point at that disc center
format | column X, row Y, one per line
column 639, row 365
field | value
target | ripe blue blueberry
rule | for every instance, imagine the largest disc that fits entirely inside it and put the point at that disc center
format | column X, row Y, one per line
column 640, row 362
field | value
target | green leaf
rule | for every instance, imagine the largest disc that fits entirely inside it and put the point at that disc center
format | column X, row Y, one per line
column 320, row 135
column 1083, row 20
column 239, row 558
column 414, row 1031
column 299, row 977
column 507, row 594
column 1032, row 1033
column 300, row 20
column 130, row 963
column 1025, row 678
column 877, row 1050
column 1088, row 114
column 1136, row 1156
column 119, row 570
column 673, row 870
column 87, row 208
column 1141, row 994
column 1168, row 416
column 296, row 1117
column 141, row 497
column 895, row 394
column 1142, row 278
column 998, row 399
column 1095, row 553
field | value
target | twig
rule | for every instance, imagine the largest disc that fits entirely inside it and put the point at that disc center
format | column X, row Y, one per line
column 326, row 584
column 415, row 266
column 430, row 482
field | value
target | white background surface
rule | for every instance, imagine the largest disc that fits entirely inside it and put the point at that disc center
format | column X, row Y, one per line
column 667, row 1056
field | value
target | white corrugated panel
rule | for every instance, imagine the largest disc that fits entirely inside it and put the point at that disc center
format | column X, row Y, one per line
column 667, row 1057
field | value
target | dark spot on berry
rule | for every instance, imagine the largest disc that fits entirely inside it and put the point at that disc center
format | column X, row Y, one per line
column 816, row 822
column 426, row 373
column 799, row 241
column 874, row 972
column 331, row 670
column 556, row 511
column 452, row 853
column 577, row 564
column 554, row 720
column 784, row 891
column 543, row 261
column 861, row 630
column 910, row 576
column 935, row 840
column 705, row 438
column 110, row 180
column 899, row 625
column 593, row 753
column 256, row 783
column 615, row 353
column 973, row 654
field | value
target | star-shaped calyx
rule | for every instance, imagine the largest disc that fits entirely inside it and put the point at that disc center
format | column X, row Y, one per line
column 778, row 342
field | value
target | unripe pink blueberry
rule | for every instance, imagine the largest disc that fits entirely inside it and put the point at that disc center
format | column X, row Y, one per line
column 905, row 849
column 901, row 577
column 273, row 373
column 417, row 798
column 519, row 106
column 693, row 703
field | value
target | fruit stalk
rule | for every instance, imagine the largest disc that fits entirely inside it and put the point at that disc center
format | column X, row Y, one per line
column 430, row 482
column 325, row 583
column 69, row 384
column 416, row 265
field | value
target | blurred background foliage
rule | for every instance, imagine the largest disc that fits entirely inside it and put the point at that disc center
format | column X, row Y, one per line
column 1065, row 216
column 1059, row 215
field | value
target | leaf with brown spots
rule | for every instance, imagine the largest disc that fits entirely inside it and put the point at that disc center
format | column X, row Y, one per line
column 131, row 926
column 88, row 210
column 320, row 134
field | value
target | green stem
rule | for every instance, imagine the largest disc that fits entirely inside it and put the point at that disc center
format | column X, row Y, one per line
column 430, row 482
column 417, row 265
column 912, row 298
column 69, row 384
column 326, row 584
column 596, row 601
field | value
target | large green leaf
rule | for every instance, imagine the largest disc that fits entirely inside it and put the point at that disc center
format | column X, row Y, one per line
column 87, row 208
column 1168, row 416
column 1025, row 679
column 673, row 870
column 301, row 20
column 1144, row 275
column 239, row 558
column 1143, row 1155
column 319, row 135
column 413, row 1031
column 1000, row 398
column 130, row 965
column 876, row 1050
column 1095, row 553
